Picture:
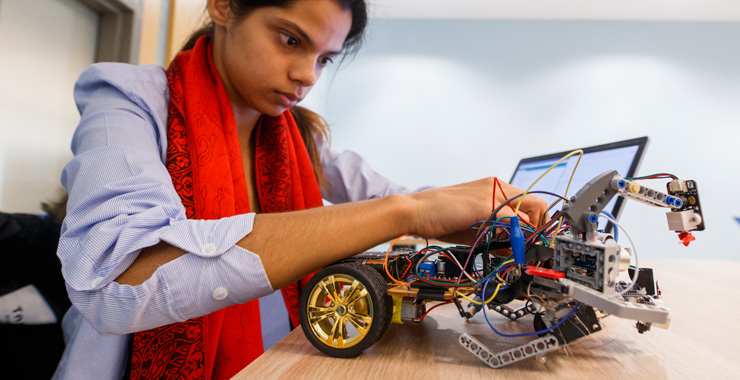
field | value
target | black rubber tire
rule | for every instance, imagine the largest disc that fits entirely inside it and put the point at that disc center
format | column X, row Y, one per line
column 381, row 302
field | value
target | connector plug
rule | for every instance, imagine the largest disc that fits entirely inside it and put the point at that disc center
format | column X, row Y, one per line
column 517, row 240
column 682, row 221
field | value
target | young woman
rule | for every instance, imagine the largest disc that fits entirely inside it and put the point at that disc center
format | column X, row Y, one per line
column 194, row 195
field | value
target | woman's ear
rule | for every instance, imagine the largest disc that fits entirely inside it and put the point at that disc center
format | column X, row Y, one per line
column 219, row 11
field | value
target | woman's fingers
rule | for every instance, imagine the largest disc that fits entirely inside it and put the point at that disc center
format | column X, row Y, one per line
column 535, row 208
column 531, row 206
column 448, row 210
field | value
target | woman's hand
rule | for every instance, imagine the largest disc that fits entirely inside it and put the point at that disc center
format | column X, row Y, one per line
column 447, row 211
column 533, row 208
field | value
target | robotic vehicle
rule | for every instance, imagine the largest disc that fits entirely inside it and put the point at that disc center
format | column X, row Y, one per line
column 565, row 271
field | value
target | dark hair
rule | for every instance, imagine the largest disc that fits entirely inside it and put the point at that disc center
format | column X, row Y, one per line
column 311, row 125
column 241, row 8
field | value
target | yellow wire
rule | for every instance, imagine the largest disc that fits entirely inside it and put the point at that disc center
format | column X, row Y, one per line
column 580, row 155
column 385, row 263
column 494, row 293
column 505, row 262
column 469, row 299
column 560, row 220
column 478, row 302
column 557, row 230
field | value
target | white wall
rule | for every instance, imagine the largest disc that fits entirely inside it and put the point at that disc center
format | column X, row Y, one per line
column 444, row 101
column 44, row 49
column 684, row 10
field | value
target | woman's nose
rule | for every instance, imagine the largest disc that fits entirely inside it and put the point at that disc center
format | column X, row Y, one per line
column 306, row 71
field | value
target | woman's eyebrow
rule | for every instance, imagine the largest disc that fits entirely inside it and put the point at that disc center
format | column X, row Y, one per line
column 297, row 29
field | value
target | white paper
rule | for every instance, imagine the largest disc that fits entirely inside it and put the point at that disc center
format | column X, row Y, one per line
column 25, row 306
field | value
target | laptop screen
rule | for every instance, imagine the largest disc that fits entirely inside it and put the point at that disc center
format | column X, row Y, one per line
column 622, row 156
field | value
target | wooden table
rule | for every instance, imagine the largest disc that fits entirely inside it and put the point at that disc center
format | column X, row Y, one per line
column 703, row 341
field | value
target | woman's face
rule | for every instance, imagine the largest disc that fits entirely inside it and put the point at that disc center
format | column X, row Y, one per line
column 271, row 58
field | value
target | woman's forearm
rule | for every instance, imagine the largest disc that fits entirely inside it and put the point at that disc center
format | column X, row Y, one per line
column 293, row 244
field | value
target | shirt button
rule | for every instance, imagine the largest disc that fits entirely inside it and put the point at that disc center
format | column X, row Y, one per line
column 220, row 293
column 208, row 249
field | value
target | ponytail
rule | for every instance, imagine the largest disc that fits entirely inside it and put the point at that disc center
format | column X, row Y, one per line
column 312, row 127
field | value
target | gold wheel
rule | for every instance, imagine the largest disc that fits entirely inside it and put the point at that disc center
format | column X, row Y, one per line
column 340, row 311
column 345, row 309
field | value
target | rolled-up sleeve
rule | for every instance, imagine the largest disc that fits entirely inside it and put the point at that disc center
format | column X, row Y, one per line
column 122, row 200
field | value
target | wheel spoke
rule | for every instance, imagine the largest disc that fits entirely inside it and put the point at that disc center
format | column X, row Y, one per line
column 318, row 314
column 360, row 322
column 332, row 336
column 317, row 319
column 335, row 288
column 348, row 294
column 342, row 332
column 359, row 296
column 317, row 309
column 330, row 293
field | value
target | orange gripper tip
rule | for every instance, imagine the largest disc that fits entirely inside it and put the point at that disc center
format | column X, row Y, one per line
column 686, row 238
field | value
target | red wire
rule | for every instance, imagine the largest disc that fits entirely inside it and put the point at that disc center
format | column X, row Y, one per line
column 407, row 268
column 495, row 179
column 541, row 230
column 655, row 176
column 506, row 271
column 432, row 308
column 493, row 201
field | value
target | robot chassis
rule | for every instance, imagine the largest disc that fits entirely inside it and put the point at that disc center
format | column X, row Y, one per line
column 346, row 307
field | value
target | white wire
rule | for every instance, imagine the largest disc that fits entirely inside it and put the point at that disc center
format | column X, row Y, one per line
column 452, row 256
column 634, row 253
column 462, row 270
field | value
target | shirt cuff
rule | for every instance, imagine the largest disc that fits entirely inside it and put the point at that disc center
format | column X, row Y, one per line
column 198, row 285
column 208, row 238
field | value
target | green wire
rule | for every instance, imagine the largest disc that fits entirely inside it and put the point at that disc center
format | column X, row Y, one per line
column 440, row 249
column 653, row 175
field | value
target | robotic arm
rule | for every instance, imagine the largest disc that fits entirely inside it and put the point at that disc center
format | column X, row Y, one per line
column 682, row 199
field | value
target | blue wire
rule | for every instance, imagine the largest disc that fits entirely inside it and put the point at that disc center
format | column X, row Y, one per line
column 476, row 270
column 496, row 224
column 544, row 331
column 614, row 226
column 477, row 293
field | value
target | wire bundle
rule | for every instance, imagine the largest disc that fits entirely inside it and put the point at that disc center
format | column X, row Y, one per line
column 500, row 271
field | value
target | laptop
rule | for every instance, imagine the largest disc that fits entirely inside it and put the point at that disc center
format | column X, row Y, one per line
column 623, row 156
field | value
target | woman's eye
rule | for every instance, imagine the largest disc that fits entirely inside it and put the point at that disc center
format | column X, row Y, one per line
column 326, row 60
column 289, row 40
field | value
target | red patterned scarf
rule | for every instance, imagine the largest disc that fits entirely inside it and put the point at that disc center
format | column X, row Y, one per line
column 204, row 160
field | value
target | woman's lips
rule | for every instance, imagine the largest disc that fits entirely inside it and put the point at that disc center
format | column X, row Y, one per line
column 287, row 99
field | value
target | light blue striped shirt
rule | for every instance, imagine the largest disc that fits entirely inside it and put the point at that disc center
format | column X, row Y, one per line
column 122, row 200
